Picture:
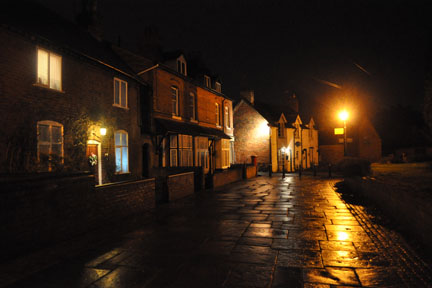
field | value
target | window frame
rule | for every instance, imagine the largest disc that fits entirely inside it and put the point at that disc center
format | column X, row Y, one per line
column 50, row 124
column 227, row 118
column 207, row 81
column 123, row 132
column 48, row 85
column 192, row 105
column 217, row 114
column 177, row 106
column 120, row 94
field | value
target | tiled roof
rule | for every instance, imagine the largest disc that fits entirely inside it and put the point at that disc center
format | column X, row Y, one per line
column 165, row 125
column 47, row 27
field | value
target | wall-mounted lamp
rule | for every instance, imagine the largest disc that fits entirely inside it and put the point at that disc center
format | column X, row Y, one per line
column 103, row 131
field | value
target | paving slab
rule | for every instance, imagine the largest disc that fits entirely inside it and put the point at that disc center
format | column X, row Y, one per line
column 263, row 232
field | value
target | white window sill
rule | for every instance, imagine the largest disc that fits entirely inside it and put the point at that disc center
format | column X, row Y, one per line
column 176, row 117
column 218, row 126
column 193, row 120
column 119, row 106
column 48, row 88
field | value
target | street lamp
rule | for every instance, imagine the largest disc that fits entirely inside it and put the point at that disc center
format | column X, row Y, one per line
column 343, row 115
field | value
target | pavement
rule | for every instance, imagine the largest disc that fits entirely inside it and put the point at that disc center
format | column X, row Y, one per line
column 263, row 232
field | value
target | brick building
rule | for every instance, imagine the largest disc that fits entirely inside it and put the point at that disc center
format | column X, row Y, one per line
column 275, row 135
column 67, row 99
column 362, row 141
column 189, row 118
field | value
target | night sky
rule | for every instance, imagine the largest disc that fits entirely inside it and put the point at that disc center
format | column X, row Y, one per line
column 377, row 53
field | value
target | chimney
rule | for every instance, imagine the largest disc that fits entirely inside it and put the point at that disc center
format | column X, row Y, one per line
column 292, row 100
column 88, row 18
column 248, row 95
column 149, row 43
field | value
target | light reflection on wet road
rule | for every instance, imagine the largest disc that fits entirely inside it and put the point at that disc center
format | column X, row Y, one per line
column 266, row 232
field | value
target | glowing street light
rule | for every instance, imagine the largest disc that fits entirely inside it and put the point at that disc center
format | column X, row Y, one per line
column 343, row 115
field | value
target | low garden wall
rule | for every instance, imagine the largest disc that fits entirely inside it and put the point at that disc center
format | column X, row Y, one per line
column 42, row 210
column 227, row 176
column 410, row 209
column 180, row 185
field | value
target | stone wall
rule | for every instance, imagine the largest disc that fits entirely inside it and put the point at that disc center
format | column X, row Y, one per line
column 44, row 209
column 412, row 212
column 180, row 185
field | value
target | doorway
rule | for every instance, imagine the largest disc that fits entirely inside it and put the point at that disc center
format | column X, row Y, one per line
column 93, row 148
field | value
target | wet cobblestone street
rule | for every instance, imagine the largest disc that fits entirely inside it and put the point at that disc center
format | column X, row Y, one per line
column 265, row 232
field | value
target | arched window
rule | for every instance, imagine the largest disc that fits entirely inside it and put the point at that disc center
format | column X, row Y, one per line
column 121, row 151
column 50, row 143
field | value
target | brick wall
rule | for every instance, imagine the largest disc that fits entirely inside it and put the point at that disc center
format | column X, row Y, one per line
column 45, row 209
column 251, row 135
column 86, row 87
column 331, row 154
column 221, row 178
column 180, row 185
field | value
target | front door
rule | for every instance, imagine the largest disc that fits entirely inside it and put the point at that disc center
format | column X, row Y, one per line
column 93, row 160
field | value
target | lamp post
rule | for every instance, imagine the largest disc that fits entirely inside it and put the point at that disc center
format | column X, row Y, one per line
column 283, row 150
column 343, row 115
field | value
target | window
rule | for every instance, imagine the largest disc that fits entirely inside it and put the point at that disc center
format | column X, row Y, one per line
column 185, row 150
column 49, row 69
column 121, row 152
column 50, row 143
column 225, row 153
column 218, row 87
column 201, row 152
column 175, row 100
column 181, row 67
column 207, row 81
column 217, row 114
column 192, row 106
column 120, row 93
column 281, row 129
column 227, row 117
column 297, row 131
column 181, row 153
column 173, row 150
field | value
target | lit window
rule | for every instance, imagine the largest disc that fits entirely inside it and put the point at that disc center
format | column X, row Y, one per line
column 120, row 93
column 217, row 114
column 49, row 69
column 185, row 150
column 50, row 144
column 225, row 153
column 226, row 118
column 175, row 100
column 121, row 152
column 192, row 106
column 173, row 151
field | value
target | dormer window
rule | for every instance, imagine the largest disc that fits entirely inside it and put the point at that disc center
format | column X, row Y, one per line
column 181, row 66
column 207, row 81
column 218, row 87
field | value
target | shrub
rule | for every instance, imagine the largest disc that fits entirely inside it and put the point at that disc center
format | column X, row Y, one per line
column 353, row 166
